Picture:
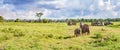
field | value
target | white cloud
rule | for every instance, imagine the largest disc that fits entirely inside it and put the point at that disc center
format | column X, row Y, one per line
column 101, row 3
column 58, row 3
column 97, row 8
column 46, row 13
column 6, row 11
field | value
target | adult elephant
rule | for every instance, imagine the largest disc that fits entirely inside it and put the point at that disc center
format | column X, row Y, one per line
column 85, row 28
column 108, row 23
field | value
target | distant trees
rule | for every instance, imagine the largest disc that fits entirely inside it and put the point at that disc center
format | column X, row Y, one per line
column 91, row 20
column 39, row 15
column 1, row 19
column 57, row 20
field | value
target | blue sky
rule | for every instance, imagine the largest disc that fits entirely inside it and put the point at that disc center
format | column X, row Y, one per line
column 60, row 9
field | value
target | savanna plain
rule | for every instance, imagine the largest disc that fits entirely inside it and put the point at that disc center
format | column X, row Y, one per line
column 57, row 36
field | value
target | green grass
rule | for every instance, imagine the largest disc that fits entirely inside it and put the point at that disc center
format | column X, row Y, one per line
column 57, row 36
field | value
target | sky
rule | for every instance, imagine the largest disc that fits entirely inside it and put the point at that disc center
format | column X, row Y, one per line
column 60, row 9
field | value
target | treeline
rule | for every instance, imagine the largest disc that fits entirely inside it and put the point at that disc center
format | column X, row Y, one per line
column 91, row 20
column 57, row 20
column 63, row 20
column 34, row 21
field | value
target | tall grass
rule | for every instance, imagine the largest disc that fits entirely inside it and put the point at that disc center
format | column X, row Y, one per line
column 57, row 36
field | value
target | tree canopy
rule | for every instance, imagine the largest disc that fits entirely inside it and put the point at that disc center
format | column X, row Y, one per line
column 39, row 15
column 1, row 19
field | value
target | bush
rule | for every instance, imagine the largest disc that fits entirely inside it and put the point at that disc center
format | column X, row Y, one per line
column 60, row 37
column 50, row 35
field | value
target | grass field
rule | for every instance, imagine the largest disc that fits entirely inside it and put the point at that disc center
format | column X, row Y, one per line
column 57, row 36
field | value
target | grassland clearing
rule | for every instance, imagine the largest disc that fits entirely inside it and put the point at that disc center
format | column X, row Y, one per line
column 57, row 36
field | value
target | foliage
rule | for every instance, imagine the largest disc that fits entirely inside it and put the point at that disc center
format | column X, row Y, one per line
column 63, row 20
column 17, row 20
column 1, row 19
column 39, row 15
column 45, row 20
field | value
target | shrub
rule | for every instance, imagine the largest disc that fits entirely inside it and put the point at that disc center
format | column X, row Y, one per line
column 60, row 37
column 50, row 35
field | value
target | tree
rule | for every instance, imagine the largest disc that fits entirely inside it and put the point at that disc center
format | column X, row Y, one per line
column 17, row 20
column 45, row 20
column 39, row 15
column 1, row 19
column 82, row 20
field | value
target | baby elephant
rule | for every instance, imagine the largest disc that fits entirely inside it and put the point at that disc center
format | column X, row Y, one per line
column 77, row 32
